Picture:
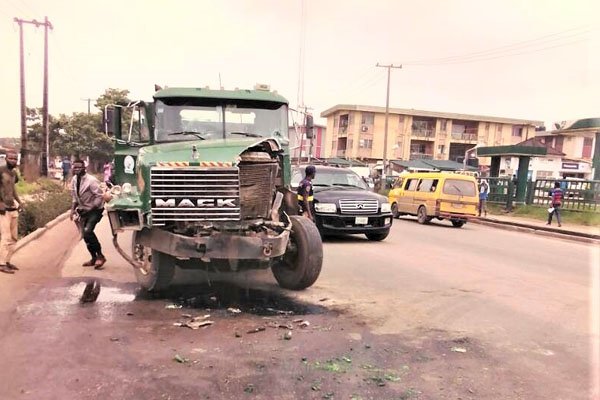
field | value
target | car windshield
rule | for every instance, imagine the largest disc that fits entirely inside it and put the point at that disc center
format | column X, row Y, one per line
column 182, row 119
column 341, row 178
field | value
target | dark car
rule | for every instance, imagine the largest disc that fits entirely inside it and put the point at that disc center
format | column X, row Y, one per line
column 345, row 205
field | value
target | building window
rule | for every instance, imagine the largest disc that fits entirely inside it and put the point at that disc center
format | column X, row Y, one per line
column 441, row 149
column 443, row 123
column 587, row 148
column 365, row 143
column 517, row 131
column 344, row 121
column 367, row 118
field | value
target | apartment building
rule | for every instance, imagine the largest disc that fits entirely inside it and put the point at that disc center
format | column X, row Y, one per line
column 357, row 132
column 578, row 140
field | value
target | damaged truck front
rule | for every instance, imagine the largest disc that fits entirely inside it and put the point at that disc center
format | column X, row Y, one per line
column 202, row 179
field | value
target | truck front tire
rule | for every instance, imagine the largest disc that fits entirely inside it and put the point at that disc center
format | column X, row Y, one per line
column 301, row 265
column 157, row 270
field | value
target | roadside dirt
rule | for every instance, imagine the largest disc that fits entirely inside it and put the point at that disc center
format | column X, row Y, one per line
column 126, row 345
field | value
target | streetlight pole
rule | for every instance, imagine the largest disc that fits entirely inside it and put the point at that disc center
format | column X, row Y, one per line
column 387, row 112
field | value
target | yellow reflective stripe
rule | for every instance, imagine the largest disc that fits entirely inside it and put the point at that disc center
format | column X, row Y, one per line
column 300, row 197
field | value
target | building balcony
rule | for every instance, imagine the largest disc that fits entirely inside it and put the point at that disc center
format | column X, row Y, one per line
column 468, row 137
column 421, row 133
column 421, row 156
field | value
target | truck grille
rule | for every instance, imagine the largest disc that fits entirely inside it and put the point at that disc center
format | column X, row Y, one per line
column 257, row 184
column 194, row 194
column 359, row 206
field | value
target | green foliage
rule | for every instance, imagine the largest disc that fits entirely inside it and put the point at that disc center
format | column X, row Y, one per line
column 37, row 214
column 83, row 138
column 42, row 185
column 112, row 96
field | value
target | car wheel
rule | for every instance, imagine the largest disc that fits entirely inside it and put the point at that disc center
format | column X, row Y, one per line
column 395, row 212
column 301, row 264
column 457, row 223
column 377, row 237
column 422, row 217
column 156, row 269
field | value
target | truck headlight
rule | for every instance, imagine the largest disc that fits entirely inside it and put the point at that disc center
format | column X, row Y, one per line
column 386, row 207
column 325, row 207
column 126, row 188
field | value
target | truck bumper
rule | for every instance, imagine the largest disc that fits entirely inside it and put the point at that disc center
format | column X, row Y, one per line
column 216, row 246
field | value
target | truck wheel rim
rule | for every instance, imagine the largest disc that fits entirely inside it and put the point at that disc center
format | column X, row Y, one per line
column 144, row 256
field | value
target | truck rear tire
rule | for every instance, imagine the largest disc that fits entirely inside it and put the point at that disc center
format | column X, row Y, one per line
column 457, row 223
column 301, row 265
column 157, row 268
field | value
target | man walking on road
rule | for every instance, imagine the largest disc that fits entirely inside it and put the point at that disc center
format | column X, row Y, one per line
column 557, row 198
column 10, row 205
column 86, row 210
column 305, row 193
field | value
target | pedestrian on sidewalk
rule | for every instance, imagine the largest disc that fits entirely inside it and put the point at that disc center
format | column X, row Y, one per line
column 557, row 196
column 10, row 205
column 86, row 211
column 484, row 190
column 66, row 170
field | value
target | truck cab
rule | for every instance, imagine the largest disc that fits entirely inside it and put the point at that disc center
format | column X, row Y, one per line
column 203, row 181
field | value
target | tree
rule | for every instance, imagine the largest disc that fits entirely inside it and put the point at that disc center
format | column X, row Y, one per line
column 82, row 137
column 112, row 96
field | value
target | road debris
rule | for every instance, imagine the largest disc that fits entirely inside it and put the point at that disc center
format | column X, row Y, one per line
column 249, row 388
column 458, row 349
column 237, row 334
column 186, row 315
column 129, row 313
column 288, row 335
column 324, row 299
column 280, row 312
column 195, row 322
column 91, row 292
column 180, row 359
column 234, row 310
column 304, row 324
column 256, row 330
column 173, row 306
column 114, row 339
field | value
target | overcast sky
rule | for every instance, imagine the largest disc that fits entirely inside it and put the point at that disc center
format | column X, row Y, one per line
column 532, row 59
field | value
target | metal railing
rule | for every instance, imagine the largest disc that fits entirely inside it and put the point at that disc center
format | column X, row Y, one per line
column 578, row 195
column 421, row 156
column 426, row 133
column 464, row 136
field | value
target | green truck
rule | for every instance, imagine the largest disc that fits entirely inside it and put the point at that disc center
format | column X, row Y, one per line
column 202, row 178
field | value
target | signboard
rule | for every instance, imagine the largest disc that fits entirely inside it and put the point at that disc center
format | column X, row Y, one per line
column 569, row 165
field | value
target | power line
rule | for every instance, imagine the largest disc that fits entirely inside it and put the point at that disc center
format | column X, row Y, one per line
column 502, row 55
column 505, row 49
column 387, row 112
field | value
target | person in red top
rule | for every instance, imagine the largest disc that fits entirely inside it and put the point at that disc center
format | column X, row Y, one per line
column 556, row 202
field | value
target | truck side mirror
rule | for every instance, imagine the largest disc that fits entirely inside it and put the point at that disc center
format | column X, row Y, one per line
column 111, row 119
column 309, row 127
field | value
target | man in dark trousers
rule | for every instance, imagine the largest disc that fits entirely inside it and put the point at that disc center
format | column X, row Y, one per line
column 557, row 195
column 86, row 210
column 10, row 205
column 305, row 193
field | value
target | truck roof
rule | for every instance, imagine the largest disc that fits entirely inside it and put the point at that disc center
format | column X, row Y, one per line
column 240, row 94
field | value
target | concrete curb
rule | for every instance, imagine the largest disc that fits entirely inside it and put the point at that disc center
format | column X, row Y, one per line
column 40, row 231
column 549, row 232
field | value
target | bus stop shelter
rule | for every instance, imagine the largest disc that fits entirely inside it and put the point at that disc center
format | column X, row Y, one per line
column 524, row 154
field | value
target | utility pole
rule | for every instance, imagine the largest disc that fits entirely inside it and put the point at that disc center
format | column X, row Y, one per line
column 387, row 112
column 46, row 142
column 89, row 101
column 24, row 155
column 45, row 145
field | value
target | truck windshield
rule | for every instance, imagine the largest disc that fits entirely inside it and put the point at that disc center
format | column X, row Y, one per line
column 182, row 119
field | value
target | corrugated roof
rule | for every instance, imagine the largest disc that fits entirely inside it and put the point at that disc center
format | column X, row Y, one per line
column 433, row 114
column 536, row 142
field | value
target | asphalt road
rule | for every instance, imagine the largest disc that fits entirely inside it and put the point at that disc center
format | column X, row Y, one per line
column 524, row 309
